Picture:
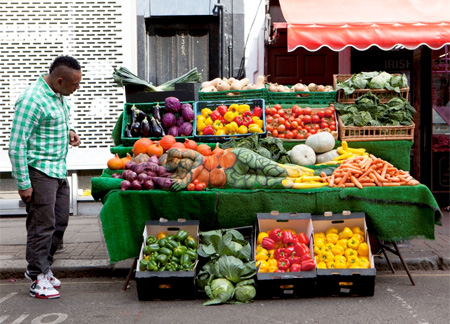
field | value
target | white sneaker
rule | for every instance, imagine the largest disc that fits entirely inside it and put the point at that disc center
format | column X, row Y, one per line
column 42, row 288
column 52, row 279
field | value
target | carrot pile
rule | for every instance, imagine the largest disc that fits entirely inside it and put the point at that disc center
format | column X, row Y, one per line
column 368, row 171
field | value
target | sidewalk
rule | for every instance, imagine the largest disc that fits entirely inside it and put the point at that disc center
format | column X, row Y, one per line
column 85, row 253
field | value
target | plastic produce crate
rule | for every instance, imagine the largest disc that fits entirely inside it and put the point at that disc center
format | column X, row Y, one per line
column 166, row 285
column 199, row 105
column 233, row 94
column 289, row 284
column 148, row 108
column 344, row 282
column 302, row 97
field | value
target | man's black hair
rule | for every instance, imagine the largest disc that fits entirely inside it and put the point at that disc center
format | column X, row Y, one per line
column 67, row 61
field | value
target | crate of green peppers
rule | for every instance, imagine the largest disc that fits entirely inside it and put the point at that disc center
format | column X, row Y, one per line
column 167, row 261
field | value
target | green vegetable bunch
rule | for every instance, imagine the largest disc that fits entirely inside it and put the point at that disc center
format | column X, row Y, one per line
column 367, row 111
column 373, row 80
column 227, row 276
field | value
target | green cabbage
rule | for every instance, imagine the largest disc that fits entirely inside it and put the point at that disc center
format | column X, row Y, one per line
column 219, row 291
column 245, row 291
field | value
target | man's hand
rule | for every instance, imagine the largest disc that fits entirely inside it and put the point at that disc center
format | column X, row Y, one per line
column 25, row 195
column 74, row 139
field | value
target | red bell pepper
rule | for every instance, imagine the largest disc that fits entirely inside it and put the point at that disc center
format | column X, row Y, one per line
column 288, row 237
column 301, row 248
column 208, row 130
column 247, row 117
column 239, row 120
column 276, row 234
column 222, row 109
column 280, row 270
column 223, row 121
column 215, row 115
column 257, row 111
column 301, row 237
column 293, row 259
column 295, row 267
column 279, row 253
column 268, row 243
column 308, row 265
column 283, row 264
column 288, row 250
column 304, row 257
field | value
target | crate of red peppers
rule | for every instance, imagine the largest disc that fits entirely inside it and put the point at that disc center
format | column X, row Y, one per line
column 296, row 122
column 284, row 255
column 223, row 120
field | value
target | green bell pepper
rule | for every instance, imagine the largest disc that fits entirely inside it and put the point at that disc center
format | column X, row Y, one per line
column 185, row 267
column 181, row 235
column 153, row 256
column 150, row 239
column 152, row 265
column 143, row 264
column 162, row 242
column 192, row 254
column 165, row 251
column 179, row 250
column 162, row 259
column 152, row 247
column 174, row 259
column 172, row 266
column 170, row 237
column 185, row 259
column 147, row 250
column 171, row 244
column 190, row 242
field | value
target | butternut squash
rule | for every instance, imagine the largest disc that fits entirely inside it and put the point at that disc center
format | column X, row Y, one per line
column 239, row 84
column 260, row 82
column 222, row 86
column 208, row 84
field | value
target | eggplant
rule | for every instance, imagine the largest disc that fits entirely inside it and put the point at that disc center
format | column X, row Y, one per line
column 145, row 128
column 136, row 129
column 133, row 114
column 128, row 130
column 163, row 132
column 157, row 112
column 156, row 128
column 140, row 115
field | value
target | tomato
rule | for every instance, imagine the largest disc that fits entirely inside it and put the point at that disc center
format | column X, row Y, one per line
column 300, row 136
column 306, row 119
column 275, row 133
column 307, row 135
column 195, row 181
column 307, row 111
column 296, row 109
column 321, row 113
column 277, row 106
column 267, row 110
column 269, row 128
column 200, row 186
column 294, row 124
column 281, row 128
column 269, row 119
column 300, row 111
column 281, row 120
column 191, row 186
column 281, row 135
column 315, row 119
column 307, row 128
column 323, row 125
column 272, row 111
column 316, row 126
column 332, row 127
column 328, row 113
column 276, row 115
column 281, row 112
column 289, row 135
column 312, row 131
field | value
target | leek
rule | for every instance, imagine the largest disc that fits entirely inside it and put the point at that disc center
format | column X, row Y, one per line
column 124, row 77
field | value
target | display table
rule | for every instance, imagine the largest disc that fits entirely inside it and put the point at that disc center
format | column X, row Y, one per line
column 393, row 213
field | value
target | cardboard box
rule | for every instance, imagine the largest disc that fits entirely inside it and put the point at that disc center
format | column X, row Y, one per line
column 285, row 285
column 166, row 284
column 344, row 282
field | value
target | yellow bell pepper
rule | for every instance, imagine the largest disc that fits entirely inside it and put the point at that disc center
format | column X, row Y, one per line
column 258, row 121
column 353, row 262
column 337, row 250
column 331, row 265
column 272, row 261
column 232, row 127
column 201, row 117
column 253, row 128
column 340, row 259
column 243, row 108
column 206, row 112
column 161, row 235
column 261, row 235
column 272, row 253
column 220, row 131
column 350, row 253
column 321, row 265
column 319, row 248
column 332, row 238
column 364, row 262
column 359, row 237
column 242, row 129
column 341, row 265
column 332, row 230
column 273, row 268
column 329, row 246
column 217, row 124
column 258, row 248
column 319, row 234
column 353, row 243
column 326, row 257
column 208, row 121
column 346, row 233
column 261, row 256
column 357, row 230
column 363, row 249
column 343, row 243
column 234, row 108
column 201, row 125
column 229, row 116
column 319, row 240
column 263, row 266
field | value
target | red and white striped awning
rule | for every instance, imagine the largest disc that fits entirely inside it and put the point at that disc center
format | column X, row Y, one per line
column 388, row 24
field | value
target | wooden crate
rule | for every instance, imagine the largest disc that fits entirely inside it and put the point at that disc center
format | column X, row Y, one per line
column 375, row 133
column 383, row 94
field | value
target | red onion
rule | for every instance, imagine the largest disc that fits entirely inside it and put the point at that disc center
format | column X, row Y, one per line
column 142, row 177
column 136, row 185
column 131, row 176
column 154, row 159
column 125, row 185
column 148, row 184
column 125, row 174
column 116, row 175
column 129, row 165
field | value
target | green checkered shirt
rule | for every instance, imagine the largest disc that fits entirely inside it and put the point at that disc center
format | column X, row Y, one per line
column 39, row 134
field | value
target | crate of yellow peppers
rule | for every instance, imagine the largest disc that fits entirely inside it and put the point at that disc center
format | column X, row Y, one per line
column 284, row 255
column 345, row 265
column 222, row 120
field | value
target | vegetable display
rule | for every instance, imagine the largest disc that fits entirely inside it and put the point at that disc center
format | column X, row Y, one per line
column 227, row 276
column 169, row 252
column 373, row 80
column 232, row 84
column 299, row 87
column 283, row 251
column 345, row 249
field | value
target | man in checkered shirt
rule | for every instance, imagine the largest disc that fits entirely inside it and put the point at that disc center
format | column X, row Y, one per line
column 39, row 142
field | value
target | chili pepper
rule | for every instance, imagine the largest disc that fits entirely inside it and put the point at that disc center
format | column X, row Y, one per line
column 295, row 267
column 287, row 237
column 301, row 248
column 346, row 233
column 208, row 130
column 206, row 112
column 332, row 238
column 152, row 265
column 308, row 265
column 257, row 111
column 162, row 259
column 161, row 235
column 261, row 235
column 363, row 249
column 217, row 125
column 276, row 234
column 179, row 251
column 150, row 239
column 215, row 115
column 239, row 120
column 353, row 243
column 301, row 238
column 268, row 243
column 143, row 264
column 171, row 244
column 288, row 250
column 222, row 109
column 247, row 118
column 229, row 116
column 165, row 250
column 190, row 242
column 181, row 235
column 283, row 264
column 279, row 253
